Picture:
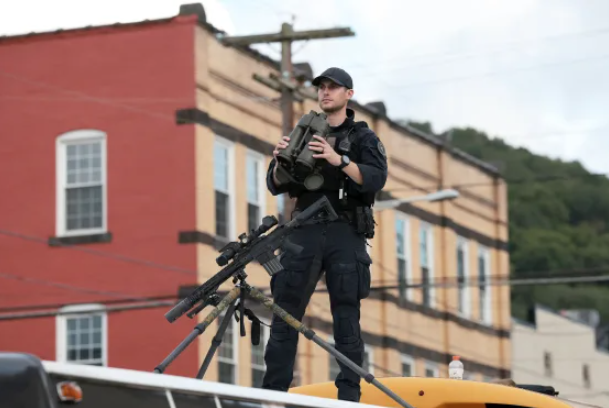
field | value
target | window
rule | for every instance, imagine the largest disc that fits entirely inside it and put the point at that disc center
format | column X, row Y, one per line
column 431, row 370
column 368, row 365
column 586, row 375
column 255, row 189
column 402, row 232
column 547, row 364
column 426, row 254
column 257, row 359
column 224, row 187
column 227, row 352
column 463, row 295
column 82, row 335
column 334, row 368
column 407, row 366
column 281, row 208
column 368, row 362
column 81, row 183
column 484, row 298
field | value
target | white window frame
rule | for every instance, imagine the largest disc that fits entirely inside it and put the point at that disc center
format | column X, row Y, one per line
column 280, row 203
column 430, row 258
column 230, row 146
column 432, row 366
column 261, row 181
column 406, row 359
column 61, row 144
column 234, row 326
column 368, row 351
column 61, row 329
column 466, row 291
column 487, row 316
column 265, row 334
column 408, row 252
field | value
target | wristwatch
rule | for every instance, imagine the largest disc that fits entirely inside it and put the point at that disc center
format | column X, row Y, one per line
column 344, row 161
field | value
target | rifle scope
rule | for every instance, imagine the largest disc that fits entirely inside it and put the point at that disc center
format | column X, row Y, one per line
column 231, row 249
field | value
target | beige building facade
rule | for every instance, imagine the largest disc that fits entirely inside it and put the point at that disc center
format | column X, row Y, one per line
column 408, row 331
column 556, row 350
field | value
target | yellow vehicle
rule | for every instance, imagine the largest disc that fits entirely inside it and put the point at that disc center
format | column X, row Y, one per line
column 448, row 393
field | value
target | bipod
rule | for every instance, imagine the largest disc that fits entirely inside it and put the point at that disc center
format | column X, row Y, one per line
column 230, row 313
column 241, row 290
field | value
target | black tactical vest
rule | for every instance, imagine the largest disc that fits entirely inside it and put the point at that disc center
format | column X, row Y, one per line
column 347, row 137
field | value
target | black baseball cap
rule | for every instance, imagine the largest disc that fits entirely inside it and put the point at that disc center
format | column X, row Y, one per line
column 337, row 75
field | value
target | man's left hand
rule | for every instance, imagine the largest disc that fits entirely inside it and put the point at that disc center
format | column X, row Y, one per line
column 326, row 151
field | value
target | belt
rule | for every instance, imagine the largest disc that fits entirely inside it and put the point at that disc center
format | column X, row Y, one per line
column 343, row 215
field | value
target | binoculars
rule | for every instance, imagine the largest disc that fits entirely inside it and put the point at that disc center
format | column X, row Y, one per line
column 296, row 163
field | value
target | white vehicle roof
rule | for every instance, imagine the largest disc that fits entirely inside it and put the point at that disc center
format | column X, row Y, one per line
column 173, row 384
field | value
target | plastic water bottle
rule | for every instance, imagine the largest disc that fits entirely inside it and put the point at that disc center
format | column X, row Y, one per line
column 455, row 369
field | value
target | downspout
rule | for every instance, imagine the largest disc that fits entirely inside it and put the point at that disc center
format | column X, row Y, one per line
column 443, row 252
column 500, row 321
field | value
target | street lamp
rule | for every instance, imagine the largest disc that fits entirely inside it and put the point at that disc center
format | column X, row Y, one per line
column 447, row 194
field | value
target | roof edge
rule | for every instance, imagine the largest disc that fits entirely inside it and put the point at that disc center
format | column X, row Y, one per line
column 90, row 28
column 431, row 139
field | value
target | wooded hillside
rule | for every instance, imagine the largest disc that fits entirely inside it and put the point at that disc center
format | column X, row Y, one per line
column 559, row 222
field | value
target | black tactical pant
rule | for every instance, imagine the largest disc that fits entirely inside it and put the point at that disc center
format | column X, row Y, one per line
column 335, row 248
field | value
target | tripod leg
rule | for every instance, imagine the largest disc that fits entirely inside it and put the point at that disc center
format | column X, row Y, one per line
column 199, row 328
column 310, row 335
column 217, row 340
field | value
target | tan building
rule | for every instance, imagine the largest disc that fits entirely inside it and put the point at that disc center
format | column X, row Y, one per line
column 561, row 351
column 408, row 332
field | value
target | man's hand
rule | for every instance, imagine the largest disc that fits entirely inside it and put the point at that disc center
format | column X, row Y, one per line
column 283, row 143
column 326, row 151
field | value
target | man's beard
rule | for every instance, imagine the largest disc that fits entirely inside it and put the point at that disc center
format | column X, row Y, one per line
column 332, row 109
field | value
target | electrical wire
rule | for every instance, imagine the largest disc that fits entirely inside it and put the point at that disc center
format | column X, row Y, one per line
column 98, row 252
column 508, row 46
column 495, row 73
column 539, row 179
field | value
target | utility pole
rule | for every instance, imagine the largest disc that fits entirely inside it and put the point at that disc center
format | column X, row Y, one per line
column 290, row 91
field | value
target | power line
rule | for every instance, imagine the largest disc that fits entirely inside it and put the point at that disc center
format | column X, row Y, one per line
column 449, row 60
column 502, row 282
column 47, row 306
column 122, row 308
column 495, row 73
column 69, row 287
column 101, row 253
column 524, row 180
column 594, row 32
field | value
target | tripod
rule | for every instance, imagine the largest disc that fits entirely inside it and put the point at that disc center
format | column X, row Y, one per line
column 230, row 313
column 240, row 290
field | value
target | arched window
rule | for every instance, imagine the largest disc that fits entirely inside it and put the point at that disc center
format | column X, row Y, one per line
column 82, row 334
column 81, row 173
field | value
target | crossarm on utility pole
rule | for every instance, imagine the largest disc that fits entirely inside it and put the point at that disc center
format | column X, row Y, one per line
column 291, row 37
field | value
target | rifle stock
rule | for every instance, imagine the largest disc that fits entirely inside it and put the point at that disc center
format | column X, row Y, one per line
column 262, row 248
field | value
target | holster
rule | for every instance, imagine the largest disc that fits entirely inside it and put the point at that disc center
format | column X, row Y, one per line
column 364, row 221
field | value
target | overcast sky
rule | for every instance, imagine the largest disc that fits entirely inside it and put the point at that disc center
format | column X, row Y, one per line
column 527, row 70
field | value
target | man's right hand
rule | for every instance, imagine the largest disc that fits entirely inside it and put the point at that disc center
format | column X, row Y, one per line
column 283, row 143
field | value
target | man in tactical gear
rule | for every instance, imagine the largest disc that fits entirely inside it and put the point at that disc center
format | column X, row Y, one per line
column 354, row 170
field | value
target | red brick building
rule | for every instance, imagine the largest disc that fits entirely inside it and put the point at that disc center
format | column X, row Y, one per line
column 91, row 156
